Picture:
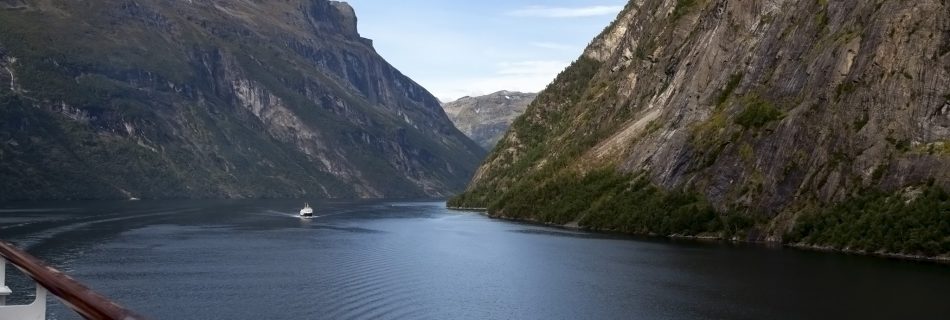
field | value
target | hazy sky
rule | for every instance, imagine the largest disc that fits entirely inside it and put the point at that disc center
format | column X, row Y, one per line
column 458, row 48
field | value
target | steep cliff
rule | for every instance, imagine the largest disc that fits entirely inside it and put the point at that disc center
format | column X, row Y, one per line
column 224, row 98
column 778, row 119
column 486, row 118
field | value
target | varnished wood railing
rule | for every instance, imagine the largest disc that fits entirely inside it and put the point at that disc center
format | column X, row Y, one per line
column 75, row 295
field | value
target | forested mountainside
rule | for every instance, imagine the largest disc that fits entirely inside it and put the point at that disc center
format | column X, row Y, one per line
column 213, row 99
column 817, row 123
column 486, row 118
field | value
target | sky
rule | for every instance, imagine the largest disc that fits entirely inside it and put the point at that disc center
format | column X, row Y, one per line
column 468, row 48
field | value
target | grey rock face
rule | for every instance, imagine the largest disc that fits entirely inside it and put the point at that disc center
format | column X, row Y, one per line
column 761, row 106
column 486, row 118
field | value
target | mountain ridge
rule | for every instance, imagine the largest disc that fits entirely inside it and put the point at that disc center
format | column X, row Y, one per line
column 220, row 99
column 486, row 118
column 751, row 120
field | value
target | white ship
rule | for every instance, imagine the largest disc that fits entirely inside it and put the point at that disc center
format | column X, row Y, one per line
column 307, row 211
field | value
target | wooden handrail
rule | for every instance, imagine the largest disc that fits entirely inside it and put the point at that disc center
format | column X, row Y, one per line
column 78, row 297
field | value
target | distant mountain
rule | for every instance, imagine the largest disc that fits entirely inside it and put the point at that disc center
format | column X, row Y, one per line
column 486, row 118
column 816, row 123
column 219, row 99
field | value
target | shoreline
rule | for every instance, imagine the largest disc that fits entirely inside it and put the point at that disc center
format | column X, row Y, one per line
column 943, row 260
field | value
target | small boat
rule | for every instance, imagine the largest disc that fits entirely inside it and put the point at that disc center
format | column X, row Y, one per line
column 307, row 211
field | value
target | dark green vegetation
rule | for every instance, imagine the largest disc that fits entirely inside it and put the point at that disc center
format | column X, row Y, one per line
column 193, row 100
column 608, row 200
column 914, row 223
column 757, row 113
column 682, row 7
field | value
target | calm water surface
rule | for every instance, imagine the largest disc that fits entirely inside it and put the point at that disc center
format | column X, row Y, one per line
column 418, row 260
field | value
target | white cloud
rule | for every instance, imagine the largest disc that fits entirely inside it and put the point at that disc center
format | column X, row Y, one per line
column 565, row 12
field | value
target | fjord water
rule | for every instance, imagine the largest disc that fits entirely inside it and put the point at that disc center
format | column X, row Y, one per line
column 399, row 260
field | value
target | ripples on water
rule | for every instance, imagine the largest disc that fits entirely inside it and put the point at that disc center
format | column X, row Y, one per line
column 417, row 260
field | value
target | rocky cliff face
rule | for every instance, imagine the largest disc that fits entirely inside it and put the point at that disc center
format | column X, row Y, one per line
column 232, row 99
column 486, row 118
column 767, row 111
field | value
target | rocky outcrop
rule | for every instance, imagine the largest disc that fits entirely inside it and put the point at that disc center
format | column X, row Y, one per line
column 486, row 118
column 213, row 99
column 765, row 108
